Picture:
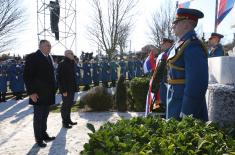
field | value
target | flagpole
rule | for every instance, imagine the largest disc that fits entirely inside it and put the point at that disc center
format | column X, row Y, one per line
column 216, row 9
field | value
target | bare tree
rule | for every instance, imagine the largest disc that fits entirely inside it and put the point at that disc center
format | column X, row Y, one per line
column 112, row 29
column 162, row 22
column 124, row 32
column 10, row 19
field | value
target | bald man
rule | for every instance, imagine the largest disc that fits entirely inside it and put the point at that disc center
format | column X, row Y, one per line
column 67, row 87
column 40, row 82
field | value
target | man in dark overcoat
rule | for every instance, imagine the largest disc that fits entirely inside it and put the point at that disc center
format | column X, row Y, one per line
column 67, row 87
column 40, row 84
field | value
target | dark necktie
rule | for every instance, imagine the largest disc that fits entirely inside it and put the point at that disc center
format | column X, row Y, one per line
column 49, row 59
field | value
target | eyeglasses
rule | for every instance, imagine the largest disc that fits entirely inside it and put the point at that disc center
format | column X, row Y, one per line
column 70, row 53
column 177, row 21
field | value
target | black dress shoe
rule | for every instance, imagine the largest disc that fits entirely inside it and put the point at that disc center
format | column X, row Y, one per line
column 41, row 144
column 67, row 126
column 73, row 123
column 48, row 139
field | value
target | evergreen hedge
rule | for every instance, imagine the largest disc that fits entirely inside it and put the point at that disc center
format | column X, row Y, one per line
column 154, row 135
column 139, row 89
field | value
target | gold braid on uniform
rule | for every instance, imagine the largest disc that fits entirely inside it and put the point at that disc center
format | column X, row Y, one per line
column 171, row 62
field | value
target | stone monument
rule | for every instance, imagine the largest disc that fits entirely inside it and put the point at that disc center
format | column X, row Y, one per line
column 221, row 90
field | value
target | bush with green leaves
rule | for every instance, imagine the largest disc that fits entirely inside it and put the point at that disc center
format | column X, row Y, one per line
column 121, row 95
column 139, row 89
column 154, row 135
column 98, row 99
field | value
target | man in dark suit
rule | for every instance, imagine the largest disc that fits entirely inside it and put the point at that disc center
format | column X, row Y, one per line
column 67, row 87
column 40, row 84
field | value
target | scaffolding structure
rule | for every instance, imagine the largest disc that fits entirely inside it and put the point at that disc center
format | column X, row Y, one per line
column 67, row 25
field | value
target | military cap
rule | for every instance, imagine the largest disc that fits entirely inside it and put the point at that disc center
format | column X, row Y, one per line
column 167, row 40
column 190, row 14
column 213, row 35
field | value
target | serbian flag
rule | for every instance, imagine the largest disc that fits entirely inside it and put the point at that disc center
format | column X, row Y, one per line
column 184, row 4
column 225, row 7
column 149, row 64
column 149, row 100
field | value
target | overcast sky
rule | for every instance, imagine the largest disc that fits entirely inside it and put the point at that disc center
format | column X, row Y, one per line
column 27, row 40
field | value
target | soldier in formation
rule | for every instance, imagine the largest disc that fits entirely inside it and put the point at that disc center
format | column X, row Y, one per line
column 3, row 82
column 215, row 48
column 96, row 73
column 86, row 79
column 105, row 72
column 15, row 73
column 114, row 72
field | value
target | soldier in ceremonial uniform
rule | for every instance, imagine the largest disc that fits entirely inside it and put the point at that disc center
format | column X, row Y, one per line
column 105, row 73
column 96, row 73
column 139, row 68
column 3, row 82
column 19, row 74
column 16, row 80
column 86, row 66
column 165, row 47
column 11, row 71
column 114, row 73
column 122, row 64
column 216, row 49
column 187, row 69
column 134, row 66
column 130, row 66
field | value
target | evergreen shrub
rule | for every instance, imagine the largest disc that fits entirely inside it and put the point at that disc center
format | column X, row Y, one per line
column 154, row 135
column 139, row 89
column 98, row 99
column 121, row 95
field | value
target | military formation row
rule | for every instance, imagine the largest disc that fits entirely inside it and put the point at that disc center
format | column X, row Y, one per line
column 88, row 73
column 11, row 74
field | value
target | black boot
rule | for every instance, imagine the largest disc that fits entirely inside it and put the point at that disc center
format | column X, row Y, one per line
column 73, row 123
column 47, row 138
column 67, row 126
column 41, row 144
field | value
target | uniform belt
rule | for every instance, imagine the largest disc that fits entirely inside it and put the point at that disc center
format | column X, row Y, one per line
column 176, row 81
column 175, row 67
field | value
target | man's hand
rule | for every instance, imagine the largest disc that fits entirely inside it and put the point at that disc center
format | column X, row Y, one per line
column 65, row 94
column 34, row 97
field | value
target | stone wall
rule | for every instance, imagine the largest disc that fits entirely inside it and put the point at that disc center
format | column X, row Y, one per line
column 221, row 90
column 221, row 103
